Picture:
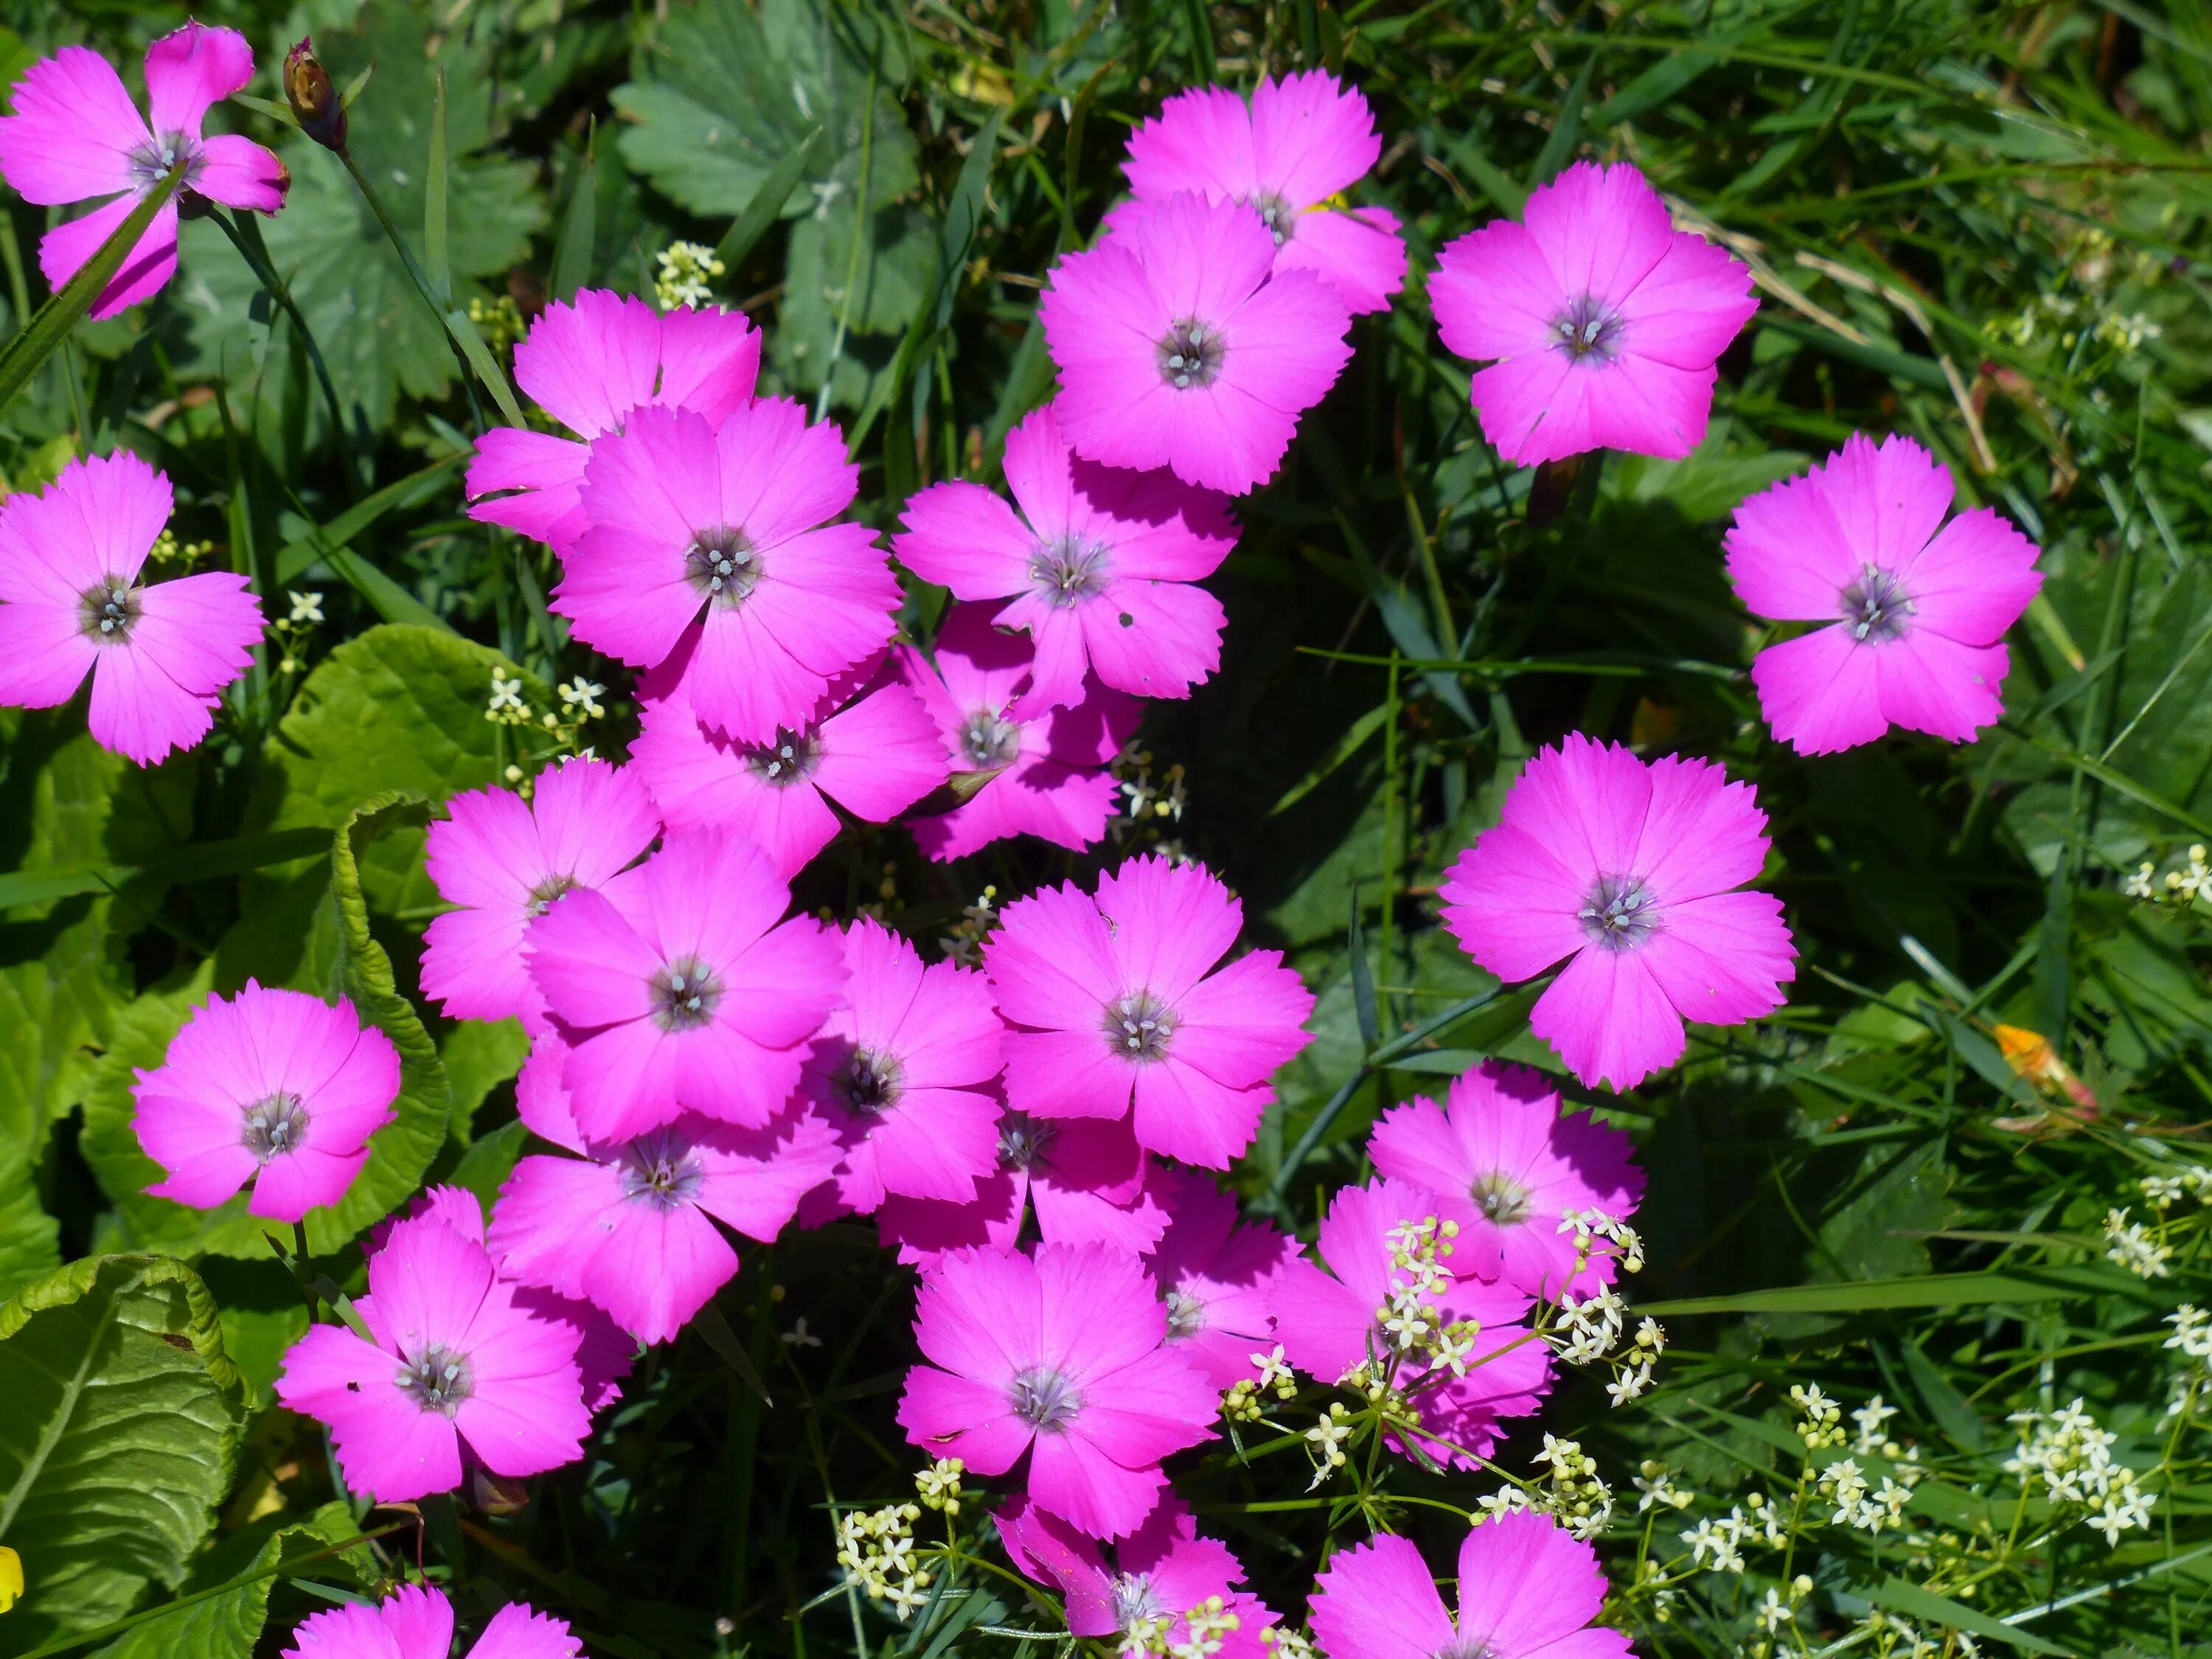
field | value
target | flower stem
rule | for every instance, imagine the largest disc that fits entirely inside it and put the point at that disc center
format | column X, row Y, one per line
column 415, row 275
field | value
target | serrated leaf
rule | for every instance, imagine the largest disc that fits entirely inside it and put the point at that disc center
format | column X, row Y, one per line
column 30, row 1239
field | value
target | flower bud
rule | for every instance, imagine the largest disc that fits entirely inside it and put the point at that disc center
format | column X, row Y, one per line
column 314, row 101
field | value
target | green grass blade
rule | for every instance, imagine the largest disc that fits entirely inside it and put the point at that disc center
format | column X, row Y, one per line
column 575, row 250
column 766, row 204
column 436, row 252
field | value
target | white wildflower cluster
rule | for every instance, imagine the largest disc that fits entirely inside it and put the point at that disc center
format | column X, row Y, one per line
column 580, row 697
column 1899, row 1638
column 685, row 271
column 1871, row 1421
column 1325, row 1443
column 2162, row 1192
column 1571, row 1492
column 1285, row 1644
column 876, row 1549
column 1819, row 1419
column 1859, row 1503
column 167, row 549
column 2193, row 1331
column 2071, row 1459
column 1206, row 1630
column 1597, row 1234
column 1655, row 1483
column 291, row 630
column 1241, row 1404
column 1776, row 1611
column 1588, row 1330
column 2185, row 884
column 2132, row 1246
column 964, row 943
column 1146, row 798
column 507, row 706
column 1757, row 1520
column 938, row 1485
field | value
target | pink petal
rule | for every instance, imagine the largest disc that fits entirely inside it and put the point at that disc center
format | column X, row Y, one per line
column 64, row 249
column 516, row 1632
column 547, row 473
column 1523, row 1580
column 1376, row 1600
column 1608, row 1019
column 1722, row 960
column 43, row 653
column 190, row 71
column 961, row 535
column 199, row 630
column 239, row 174
column 139, row 712
column 1359, row 251
column 1973, row 581
column 590, row 360
column 72, row 132
column 1820, row 692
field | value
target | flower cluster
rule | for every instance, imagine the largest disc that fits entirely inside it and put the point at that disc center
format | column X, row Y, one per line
column 876, row 1549
column 2063, row 1455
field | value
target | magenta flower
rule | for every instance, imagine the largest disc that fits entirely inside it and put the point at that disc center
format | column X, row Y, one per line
column 274, row 1087
column 1330, row 1323
column 505, row 860
column 686, row 517
column 1099, row 564
column 1917, row 609
column 71, row 603
column 1606, row 321
column 1623, row 870
column 1176, row 347
column 875, row 756
column 1291, row 153
column 1527, row 1590
column 629, row 1228
column 904, row 1069
column 1506, row 1166
column 76, row 136
column 417, row 1622
column 458, row 1365
column 1160, row 1573
column 1058, row 1355
column 677, row 988
column 590, row 363
column 1113, row 1004
column 1217, row 1276
column 1051, row 781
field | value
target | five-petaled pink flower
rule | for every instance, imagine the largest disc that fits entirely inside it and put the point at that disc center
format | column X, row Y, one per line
column 1624, row 870
column 1177, row 348
column 1059, row 1355
column 76, row 136
column 1291, row 153
column 274, row 1087
column 1917, row 609
column 1099, row 565
column 71, row 603
column 1114, row 1005
column 1604, row 321
column 417, row 1622
column 1216, row 1275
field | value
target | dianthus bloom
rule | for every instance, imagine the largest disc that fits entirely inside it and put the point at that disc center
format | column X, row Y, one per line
column 1099, row 564
column 76, row 136
column 1059, row 1355
column 417, row 1622
column 1623, row 870
column 1113, row 1003
column 1291, row 153
column 630, row 1227
column 1917, row 613
column 71, row 603
column 504, row 861
column 1527, row 1590
column 1606, row 321
column 677, row 988
column 457, row 1363
column 905, row 1066
column 1176, row 347
column 875, row 756
column 1506, row 1164
column 1048, row 764
column 589, row 362
column 274, row 1087
column 685, row 516
column 1217, row 1276
column 1161, row 1573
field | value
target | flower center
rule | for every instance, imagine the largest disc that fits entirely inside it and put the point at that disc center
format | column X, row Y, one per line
column 871, row 1081
column 1042, row 1396
column 276, row 1125
column 1190, row 354
column 437, row 1379
column 543, row 895
column 722, row 565
column 684, row 993
column 663, row 1170
column 1501, row 1199
column 1620, row 914
column 151, row 162
column 1588, row 329
column 1279, row 216
column 1068, row 571
column 1135, row 1600
column 988, row 738
column 1022, row 1139
column 1467, row 1648
column 1186, row 1316
column 1138, row 1026
column 108, row 612
column 1875, row 607
column 791, row 758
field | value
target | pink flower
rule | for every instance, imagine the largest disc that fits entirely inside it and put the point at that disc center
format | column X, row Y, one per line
column 1059, row 1355
column 1328, row 1325
column 1086, row 1178
column 875, row 756
column 1917, row 609
column 417, row 1622
column 76, row 136
column 684, row 515
column 158, row 654
column 274, row 1087
column 905, row 1068
column 1099, row 565
column 1217, row 1276
column 1176, row 347
column 1606, row 321
column 676, row 988
column 1623, row 870
column 475, row 1370
column 1506, row 1166
column 505, row 860
column 1527, row 1590
column 1111, row 1003
column 589, row 364
column 1163, row 1571
column 1303, row 142
column 1050, row 781
column 629, row 1228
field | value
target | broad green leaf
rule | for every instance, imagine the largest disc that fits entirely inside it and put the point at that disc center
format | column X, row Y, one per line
column 30, row 1239
column 875, row 289
column 224, row 1626
column 480, row 1054
column 119, row 1440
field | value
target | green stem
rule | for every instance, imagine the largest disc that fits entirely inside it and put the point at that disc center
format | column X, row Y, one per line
column 415, row 275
